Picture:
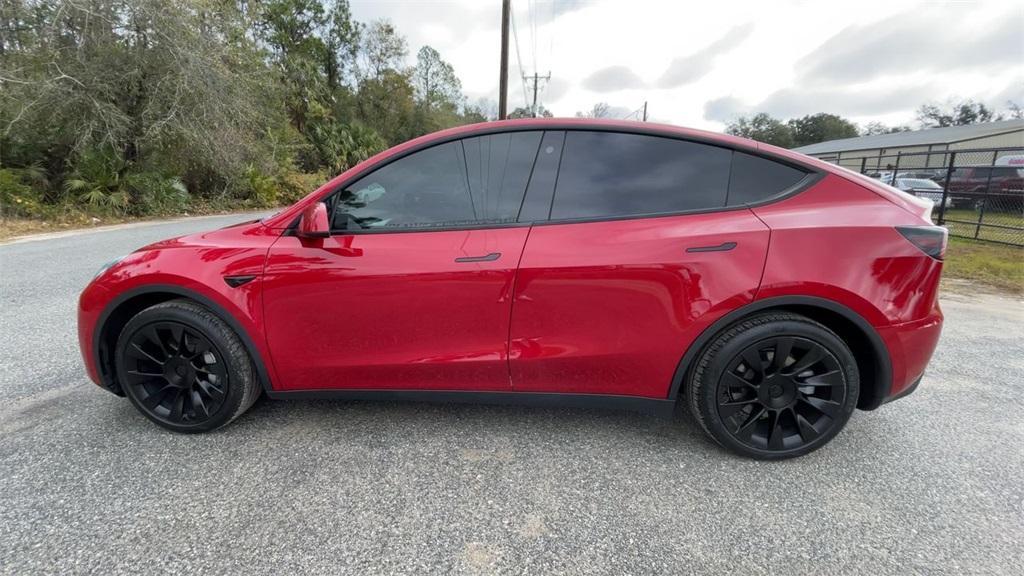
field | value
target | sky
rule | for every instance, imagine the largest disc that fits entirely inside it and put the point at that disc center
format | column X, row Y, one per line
column 701, row 64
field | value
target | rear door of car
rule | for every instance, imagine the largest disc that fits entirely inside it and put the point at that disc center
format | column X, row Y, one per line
column 648, row 242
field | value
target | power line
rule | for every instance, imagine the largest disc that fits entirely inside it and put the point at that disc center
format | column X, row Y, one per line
column 638, row 114
column 551, row 34
column 519, row 60
column 533, row 22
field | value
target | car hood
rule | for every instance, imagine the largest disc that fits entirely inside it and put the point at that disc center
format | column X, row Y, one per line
column 234, row 235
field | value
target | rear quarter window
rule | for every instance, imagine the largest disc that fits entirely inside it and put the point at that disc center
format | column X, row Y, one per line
column 755, row 179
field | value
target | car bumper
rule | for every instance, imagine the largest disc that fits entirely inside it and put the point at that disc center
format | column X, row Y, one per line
column 90, row 305
column 911, row 345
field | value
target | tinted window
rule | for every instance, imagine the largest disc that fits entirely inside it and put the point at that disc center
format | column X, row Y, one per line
column 479, row 180
column 755, row 179
column 498, row 168
column 610, row 174
column 537, row 204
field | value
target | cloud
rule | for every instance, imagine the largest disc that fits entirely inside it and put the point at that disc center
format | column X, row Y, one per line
column 566, row 6
column 695, row 66
column 1014, row 92
column 725, row 109
column 618, row 112
column 612, row 79
column 914, row 42
column 795, row 102
column 555, row 89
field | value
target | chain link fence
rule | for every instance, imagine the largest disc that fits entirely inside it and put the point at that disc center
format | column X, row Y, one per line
column 978, row 193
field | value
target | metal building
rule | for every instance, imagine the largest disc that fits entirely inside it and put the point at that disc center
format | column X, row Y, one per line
column 851, row 152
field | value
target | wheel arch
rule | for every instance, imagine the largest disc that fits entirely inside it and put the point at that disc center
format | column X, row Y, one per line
column 873, row 361
column 126, row 305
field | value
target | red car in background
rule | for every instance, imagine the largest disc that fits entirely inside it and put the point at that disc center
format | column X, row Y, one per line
column 570, row 262
column 994, row 187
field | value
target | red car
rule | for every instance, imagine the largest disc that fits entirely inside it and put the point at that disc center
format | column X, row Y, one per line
column 557, row 262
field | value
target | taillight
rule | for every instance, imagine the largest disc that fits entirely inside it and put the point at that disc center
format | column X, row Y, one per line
column 929, row 239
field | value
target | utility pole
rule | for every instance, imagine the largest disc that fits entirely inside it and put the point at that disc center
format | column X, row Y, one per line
column 645, row 110
column 506, row 11
column 536, row 78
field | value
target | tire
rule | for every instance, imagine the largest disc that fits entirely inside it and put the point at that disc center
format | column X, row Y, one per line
column 184, row 368
column 756, row 407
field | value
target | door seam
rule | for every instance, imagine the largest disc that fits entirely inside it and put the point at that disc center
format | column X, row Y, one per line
column 511, row 308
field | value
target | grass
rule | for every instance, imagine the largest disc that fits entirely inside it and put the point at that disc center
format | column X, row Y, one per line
column 965, row 225
column 996, row 266
column 74, row 218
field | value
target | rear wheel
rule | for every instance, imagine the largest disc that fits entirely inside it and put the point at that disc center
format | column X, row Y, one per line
column 184, row 368
column 774, row 386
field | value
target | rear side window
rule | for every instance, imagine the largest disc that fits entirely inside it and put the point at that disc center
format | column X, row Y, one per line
column 607, row 174
column 755, row 179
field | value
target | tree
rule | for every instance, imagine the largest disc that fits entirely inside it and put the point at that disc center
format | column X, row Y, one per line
column 763, row 128
column 386, row 103
column 287, row 29
column 382, row 49
column 153, row 86
column 1014, row 110
column 484, row 108
column 820, row 127
column 958, row 114
column 525, row 112
column 434, row 80
column 341, row 44
column 135, row 106
column 599, row 110
column 873, row 128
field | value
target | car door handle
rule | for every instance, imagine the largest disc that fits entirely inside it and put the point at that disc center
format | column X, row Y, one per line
column 488, row 258
column 723, row 247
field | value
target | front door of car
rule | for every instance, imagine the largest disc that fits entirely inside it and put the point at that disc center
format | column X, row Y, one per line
column 413, row 288
column 649, row 242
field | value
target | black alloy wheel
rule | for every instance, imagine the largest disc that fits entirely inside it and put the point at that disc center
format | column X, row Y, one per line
column 781, row 393
column 184, row 368
column 175, row 372
column 775, row 385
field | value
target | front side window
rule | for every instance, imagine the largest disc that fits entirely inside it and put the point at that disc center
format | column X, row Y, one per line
column 607, row 174
column 479, row 180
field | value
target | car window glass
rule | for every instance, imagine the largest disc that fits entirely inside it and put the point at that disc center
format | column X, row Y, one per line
column 606, row 174
column 537, row 204
column 477, row 181
column 498, row 168
column 755, row 179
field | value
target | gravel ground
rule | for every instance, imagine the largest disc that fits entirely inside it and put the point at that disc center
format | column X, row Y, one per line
column 927, row 485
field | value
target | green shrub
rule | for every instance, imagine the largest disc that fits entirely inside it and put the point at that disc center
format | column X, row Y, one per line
column 261, row 187
column 158, row 193
column 96, row 180
column 293, row 186
column 17, row 197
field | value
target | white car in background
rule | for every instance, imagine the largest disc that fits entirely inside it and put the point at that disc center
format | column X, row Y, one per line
column 923, row 188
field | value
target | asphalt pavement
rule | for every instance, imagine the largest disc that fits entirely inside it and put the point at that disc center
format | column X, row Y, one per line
column 931, row 484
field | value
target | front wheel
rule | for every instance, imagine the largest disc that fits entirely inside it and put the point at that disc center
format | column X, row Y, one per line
column 184, row 368
column 776, row 385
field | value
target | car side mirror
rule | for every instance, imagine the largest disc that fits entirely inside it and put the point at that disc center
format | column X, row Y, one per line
column 314, row 222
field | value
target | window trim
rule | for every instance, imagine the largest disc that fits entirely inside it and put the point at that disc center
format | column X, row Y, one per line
column 814, row 175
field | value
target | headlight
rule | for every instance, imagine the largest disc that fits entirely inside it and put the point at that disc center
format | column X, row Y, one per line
column 107, row 266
